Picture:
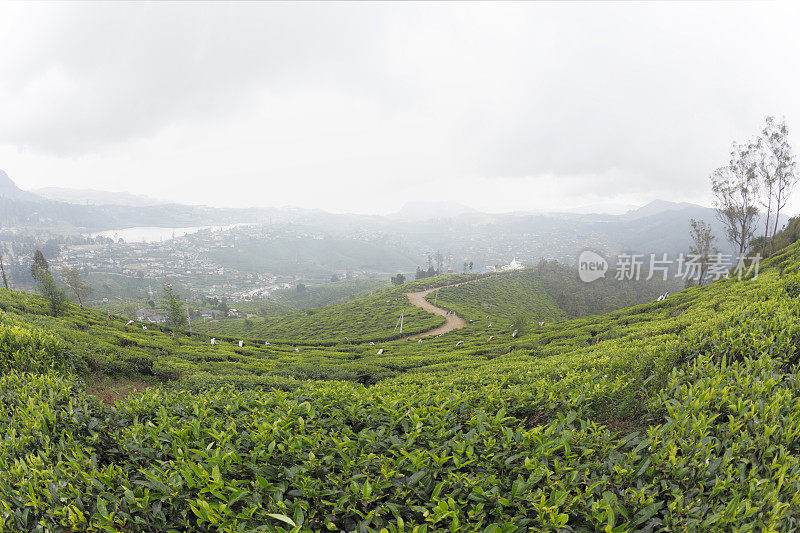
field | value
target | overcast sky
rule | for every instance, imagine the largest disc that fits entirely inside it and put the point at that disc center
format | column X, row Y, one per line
column 361, row 107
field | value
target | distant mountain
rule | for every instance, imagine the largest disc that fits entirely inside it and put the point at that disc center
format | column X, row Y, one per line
column 659, row 206
column 420, row 211
column 602, row 209
column 461, row 233
column 9, row 189
column 97, row 197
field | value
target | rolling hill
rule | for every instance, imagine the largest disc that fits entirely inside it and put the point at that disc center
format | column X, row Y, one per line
column 678, row 414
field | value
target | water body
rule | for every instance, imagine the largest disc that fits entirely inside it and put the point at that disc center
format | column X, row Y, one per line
column 156, row 234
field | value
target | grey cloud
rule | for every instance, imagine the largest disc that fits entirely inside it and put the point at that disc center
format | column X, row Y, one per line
column 117, row 71
column 629, row 97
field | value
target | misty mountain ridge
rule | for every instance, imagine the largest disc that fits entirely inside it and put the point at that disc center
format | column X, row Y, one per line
column 417, row 211
column 428, row 210
column 97, row 197
column 660, row 206
column 609, row 208
column 659, row 226
column 9, row 189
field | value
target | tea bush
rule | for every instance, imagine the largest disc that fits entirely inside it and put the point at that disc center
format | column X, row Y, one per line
column 674, row 415
column 29, row 349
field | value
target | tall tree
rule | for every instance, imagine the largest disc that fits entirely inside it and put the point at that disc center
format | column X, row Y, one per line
column 702, row 246
column 72, row 279
column 778, row 168
column 46, row 286
column 55, row 295
column 735, row 188
column 176, row 316
column 39, row 265
column 767, row 174
column 3, row 272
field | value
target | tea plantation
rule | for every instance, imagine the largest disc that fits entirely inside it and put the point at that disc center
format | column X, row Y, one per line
column 367, row 319
column 682, row 415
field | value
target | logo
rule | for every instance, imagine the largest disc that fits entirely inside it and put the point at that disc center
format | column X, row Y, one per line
column 591, row 266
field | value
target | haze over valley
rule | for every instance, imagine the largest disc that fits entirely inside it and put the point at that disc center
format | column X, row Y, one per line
column 246, row 252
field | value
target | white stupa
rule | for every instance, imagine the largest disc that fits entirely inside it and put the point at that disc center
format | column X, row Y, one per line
column 513, row 265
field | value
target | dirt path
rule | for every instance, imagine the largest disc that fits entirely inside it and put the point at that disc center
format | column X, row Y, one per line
column 452, row 321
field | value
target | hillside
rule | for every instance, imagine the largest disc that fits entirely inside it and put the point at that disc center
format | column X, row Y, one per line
column 545, row 292
column 503, row 297
column 369, row 318
column 672, row 415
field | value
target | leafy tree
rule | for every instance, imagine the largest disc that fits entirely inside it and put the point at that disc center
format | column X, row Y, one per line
column 702, row 246
column 736, row 190
column 334, row 277
column 40, row 265
column 420, row 274
column 72, row 279
column 776, row 165
column 3, row 272
column 176, row 315
column 439, row 258
column 222, row 306
column 46, row 286
column 301, row 288
column 399, row 279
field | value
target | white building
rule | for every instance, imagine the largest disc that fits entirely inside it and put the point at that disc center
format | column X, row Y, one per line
column 513, row 265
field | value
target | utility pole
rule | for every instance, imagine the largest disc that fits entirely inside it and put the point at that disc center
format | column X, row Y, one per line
column 399, row 323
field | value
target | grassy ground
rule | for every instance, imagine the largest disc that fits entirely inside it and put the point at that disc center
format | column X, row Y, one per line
column 110, row 389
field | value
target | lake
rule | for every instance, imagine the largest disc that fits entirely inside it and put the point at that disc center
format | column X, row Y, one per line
column 155, row 234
